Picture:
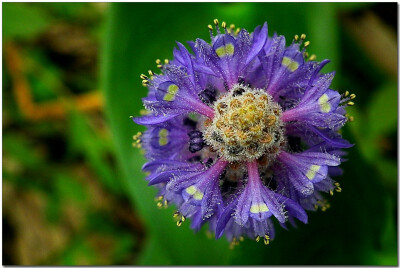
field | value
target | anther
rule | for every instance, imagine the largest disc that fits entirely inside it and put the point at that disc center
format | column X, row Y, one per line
column 303, row 36
column 237, row 31
column 176, row 214
column 145, row 82
column 159, row 204
column 158, row 61
column 183, row 219
column 196, row 142
column 216, row 22
column 144, row 77
column 166, row 61
column 352, row 96
column 136, row 137
column 346, row 93
column 313, row 57
column 179, row 223
column 209, row 234
column 350, row 103
column 266, row 240
column 159, row 66
column 351, row 118
column 306, row 44
column 150, row 72
column 338, row 189
column 144, row 112
column 296, row 37
column 210, row 27
column 223, row 25
column 137, row 144
column 233, row 243
column 258, row 238
column 208, row 95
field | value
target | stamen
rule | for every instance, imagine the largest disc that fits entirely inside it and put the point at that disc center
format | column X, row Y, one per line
column 223, row 25
column 231, row 28
column 210, row 28
column 216, row 26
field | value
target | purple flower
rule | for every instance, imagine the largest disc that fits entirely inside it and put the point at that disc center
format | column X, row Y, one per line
column 243, row 132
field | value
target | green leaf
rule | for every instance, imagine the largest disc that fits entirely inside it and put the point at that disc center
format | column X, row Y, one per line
column 130, row 46
column 324, row 34
column 382, row 110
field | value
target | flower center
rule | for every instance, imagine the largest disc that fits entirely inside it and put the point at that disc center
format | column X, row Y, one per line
column 246, row 125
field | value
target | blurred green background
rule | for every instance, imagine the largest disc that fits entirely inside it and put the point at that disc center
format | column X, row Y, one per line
column 73, row 191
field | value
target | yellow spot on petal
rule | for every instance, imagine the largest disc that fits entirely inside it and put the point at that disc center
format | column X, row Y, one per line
column 258, row 208
column 290, row 64
column 230, row 49
column 163, row 136
column 226, row 50
column 312, row 171
column 171, row 92
column 324, row 104
column 196, row 193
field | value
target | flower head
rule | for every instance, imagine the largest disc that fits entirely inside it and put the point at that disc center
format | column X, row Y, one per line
column 243, row 132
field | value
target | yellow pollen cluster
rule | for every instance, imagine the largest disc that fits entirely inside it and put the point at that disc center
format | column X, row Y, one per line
column 246, row 125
